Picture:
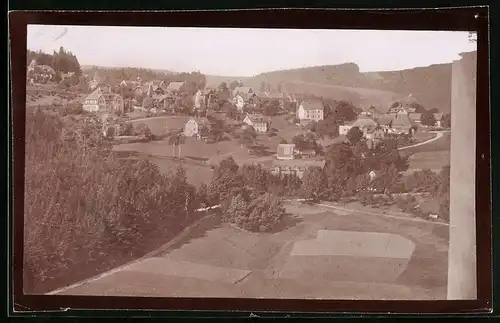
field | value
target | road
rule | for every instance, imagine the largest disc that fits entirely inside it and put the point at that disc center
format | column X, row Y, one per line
column 438, row 135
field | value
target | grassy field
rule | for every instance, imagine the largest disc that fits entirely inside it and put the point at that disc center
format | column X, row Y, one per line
column 441, row 144
column 215, row 248
column 196, row 174
column 421, row 136
column 430, row 160
column 433, row 155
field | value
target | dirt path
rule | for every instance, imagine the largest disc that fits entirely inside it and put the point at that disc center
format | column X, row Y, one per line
column 438, row 135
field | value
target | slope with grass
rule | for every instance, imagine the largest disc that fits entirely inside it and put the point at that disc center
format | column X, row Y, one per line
column 218, row 260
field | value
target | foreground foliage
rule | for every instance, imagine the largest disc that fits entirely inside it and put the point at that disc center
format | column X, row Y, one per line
column 84, row 208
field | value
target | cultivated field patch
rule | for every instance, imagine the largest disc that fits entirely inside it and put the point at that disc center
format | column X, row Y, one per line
column 430, row 160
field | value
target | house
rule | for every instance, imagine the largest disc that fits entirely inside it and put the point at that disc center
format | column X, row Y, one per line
column 396, row 122
column 243, row 99
column 373, row 112
column 148, row 89
column 294, row 167
column 99, row 101
column 344, row 129
column 199, row 102
column 177, row 87
column 311, row 111
column 365, row 123
column 194, row 126
column 269, row 96
column 374, row 136
column 415, row 117
column 257, row 121
column 439, row 118
column 243, row 89
column 209, row 96
column 306, row 153
column 165, row 102
column 285, row 151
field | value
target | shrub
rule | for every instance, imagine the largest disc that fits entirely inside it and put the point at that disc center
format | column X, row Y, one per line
column 253, row 212
column 125, row 129
column 86, row 209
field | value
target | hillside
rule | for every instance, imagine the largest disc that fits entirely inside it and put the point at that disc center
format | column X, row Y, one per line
column 430, row 85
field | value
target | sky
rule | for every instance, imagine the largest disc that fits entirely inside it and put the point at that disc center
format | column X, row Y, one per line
column 248, row 52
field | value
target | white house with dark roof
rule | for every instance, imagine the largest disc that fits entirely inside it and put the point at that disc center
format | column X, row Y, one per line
column 241, row 99
column 310, row 111
column 102, row 101
column 194, row 126
column 257, row 121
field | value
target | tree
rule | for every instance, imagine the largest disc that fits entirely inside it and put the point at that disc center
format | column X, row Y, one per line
column 255, row 177
column 306, row 142
column 311, row 126
column 263, row 86
column 354, row 135
column 231, row 111
column 176, row 140
column 283, row 141
column 385, row 154
column 223, row 86
column 327, row 128
column 446, row 122
column 313, row 183
column 418, row 107
column 143, row 130
column 233, row 85
column 236, row 210
column 260, row 215
column 340, row 165
column 247, row 137
column 428, row 119
column 344, row 111
column 271, row 108
column 225, row 182
column 202, row 195
column 387, row 179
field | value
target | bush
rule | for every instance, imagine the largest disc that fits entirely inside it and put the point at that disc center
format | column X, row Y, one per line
column 74, row 108
column 86, row 211
column 261, row 214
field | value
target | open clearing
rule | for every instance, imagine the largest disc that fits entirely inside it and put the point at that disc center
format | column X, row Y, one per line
column 218, row 260
column 430, row 160
column 441, row 144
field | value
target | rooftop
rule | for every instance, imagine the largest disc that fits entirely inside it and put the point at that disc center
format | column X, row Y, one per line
column 315, row 105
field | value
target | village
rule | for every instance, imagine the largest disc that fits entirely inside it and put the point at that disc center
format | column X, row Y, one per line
column 231, row 167
column 243, row 110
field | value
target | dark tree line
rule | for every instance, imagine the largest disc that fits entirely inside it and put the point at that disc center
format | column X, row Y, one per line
column 62, row 61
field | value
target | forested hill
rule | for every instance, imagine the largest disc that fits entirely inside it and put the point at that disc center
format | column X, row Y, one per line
column 62, row 61
column 430, row 86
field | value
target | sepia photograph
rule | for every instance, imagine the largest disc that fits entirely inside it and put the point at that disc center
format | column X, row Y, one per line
column 325, row 164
